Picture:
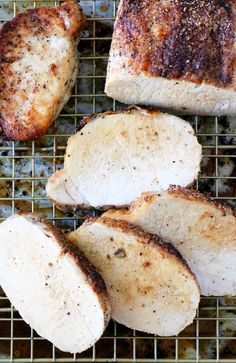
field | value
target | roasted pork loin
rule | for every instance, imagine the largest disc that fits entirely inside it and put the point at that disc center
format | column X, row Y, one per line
column 175, row 55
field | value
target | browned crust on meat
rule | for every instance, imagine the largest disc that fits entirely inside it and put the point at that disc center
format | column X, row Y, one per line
column 177, row 191
column 143, row 237
column 178, row 39
column 37, row 22
column 17, row 131
column 194, row 195
column 147, row 197
column 35, row 19
column 92, row 276
column 128, row 110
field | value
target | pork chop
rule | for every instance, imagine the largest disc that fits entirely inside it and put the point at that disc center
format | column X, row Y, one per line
column 38, row 68
column 150, row 286
column 118, row 155
column 203, row 231
column 52, row 284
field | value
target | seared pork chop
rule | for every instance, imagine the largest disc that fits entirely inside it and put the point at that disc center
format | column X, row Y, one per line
column 150, row 286
column 118, row 155
column 38, row 68
column 52, row 284
column 203, row 231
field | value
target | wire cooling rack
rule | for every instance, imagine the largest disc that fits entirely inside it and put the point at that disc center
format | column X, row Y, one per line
column 24, row 169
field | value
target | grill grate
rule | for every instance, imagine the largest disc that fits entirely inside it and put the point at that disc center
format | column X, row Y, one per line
column 24, row 169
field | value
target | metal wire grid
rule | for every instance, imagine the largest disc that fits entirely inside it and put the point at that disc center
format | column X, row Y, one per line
column 24, row 168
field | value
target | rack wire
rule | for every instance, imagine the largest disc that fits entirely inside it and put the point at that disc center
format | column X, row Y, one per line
column 24, row 169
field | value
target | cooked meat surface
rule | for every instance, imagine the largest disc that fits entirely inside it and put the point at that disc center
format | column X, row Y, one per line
column 38, row 68
column 51, row 283
column 150, row 286
column 203, row 231
column 175, row 54
column 118, row 155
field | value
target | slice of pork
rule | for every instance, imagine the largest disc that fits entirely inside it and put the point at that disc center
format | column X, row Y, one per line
column 151, row 287
column 203, row 231
column 117, row 156
column 51, row 283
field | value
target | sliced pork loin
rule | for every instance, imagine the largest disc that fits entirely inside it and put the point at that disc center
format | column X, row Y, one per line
column 150, row 286
column 52, row 284
column 118, row 155
column 203, row 231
